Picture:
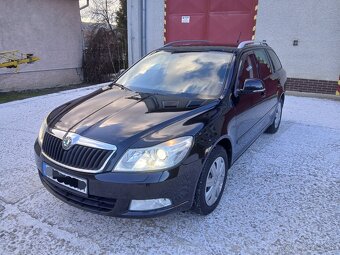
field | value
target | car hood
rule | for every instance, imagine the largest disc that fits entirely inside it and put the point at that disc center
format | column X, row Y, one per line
column 114, row 115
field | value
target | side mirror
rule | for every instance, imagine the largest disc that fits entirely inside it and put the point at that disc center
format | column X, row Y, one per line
column 252, row 86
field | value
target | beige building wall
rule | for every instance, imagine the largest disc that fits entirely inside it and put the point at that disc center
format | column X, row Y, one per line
column 51, row 29
column 316, row 26
column 154, row 21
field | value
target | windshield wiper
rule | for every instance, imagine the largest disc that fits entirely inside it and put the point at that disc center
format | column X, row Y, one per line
column 120, row 86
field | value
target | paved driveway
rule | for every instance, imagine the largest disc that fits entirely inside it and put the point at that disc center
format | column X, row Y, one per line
column 282, row 196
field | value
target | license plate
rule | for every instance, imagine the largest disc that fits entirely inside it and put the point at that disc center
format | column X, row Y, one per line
column 67, row 180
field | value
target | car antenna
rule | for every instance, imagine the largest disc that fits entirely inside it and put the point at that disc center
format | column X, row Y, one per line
column 239, row 37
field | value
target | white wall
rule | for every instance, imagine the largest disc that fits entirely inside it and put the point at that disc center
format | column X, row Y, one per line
column 51, row 29
column 154, row 27
column 315, row 23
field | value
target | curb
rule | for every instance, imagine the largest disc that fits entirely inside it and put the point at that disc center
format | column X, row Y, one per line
column 314, row 95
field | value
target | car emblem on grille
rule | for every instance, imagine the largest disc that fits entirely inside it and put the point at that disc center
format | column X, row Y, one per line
column 67, row 142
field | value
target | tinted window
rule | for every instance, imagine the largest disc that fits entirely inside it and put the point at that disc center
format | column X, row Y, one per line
column 275, row 60
column 248, row 69
column 195, row 73
column 263, row 64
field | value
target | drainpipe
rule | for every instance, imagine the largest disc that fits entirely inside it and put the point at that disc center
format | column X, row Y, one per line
column 143, row 28
column 131, row 37
column 83, row 39
column 86, row 5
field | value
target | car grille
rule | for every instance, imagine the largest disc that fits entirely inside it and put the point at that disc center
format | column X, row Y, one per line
column 92, row 203
column 78, row 156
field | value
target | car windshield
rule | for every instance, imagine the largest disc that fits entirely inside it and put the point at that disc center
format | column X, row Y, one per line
column 195, row 73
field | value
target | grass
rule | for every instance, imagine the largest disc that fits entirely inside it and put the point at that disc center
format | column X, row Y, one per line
column 18, row 95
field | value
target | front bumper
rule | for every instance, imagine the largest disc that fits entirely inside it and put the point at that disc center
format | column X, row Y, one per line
column 110, row 193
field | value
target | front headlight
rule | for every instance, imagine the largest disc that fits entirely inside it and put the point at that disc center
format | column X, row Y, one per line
column 42, row 131
column 158, row 157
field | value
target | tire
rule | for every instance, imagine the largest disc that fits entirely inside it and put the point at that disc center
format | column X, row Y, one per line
column 272, row 129
column 213, row 166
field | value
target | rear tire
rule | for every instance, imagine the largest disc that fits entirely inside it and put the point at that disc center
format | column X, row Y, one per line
column 211, row 184
column 272, row 129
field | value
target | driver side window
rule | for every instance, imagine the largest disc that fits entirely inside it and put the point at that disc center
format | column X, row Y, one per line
column 247, row 69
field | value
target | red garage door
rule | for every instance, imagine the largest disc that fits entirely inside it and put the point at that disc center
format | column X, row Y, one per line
column 219, row 21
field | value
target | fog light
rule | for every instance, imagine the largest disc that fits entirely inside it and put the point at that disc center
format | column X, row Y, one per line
column 149, row 204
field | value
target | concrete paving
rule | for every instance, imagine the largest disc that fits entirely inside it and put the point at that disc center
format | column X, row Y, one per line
column 282, row 196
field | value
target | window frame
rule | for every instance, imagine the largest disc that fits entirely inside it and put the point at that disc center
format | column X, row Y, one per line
column 240, row 64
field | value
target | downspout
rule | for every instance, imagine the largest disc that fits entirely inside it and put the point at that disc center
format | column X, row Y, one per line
column 83, row 40
column 143, row 28
column 86, row 5
column 131, row 39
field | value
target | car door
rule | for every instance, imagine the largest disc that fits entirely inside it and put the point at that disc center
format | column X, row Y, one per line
column 248, row 107
column 268, row 76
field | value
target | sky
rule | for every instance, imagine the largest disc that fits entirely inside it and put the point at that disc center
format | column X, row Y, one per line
column 86, row 13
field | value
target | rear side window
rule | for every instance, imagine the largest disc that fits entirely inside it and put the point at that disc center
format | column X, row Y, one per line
column 263, row 65
column 275, row 60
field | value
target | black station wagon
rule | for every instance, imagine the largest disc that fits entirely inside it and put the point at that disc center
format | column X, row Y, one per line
column 163, row 135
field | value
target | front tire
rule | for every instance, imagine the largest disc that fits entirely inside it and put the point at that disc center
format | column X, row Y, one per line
column 272, row 129
column 212, row 181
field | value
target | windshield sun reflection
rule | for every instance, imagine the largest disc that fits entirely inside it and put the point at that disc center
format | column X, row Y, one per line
column 193, row 73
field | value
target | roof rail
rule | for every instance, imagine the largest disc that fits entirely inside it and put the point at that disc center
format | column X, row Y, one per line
column 185, row 42
column 246, row 43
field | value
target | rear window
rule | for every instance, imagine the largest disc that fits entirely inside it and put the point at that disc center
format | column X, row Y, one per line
column 275, row 60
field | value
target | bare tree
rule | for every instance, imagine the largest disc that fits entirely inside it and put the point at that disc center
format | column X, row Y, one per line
column 108, row 45
column 104, row 11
